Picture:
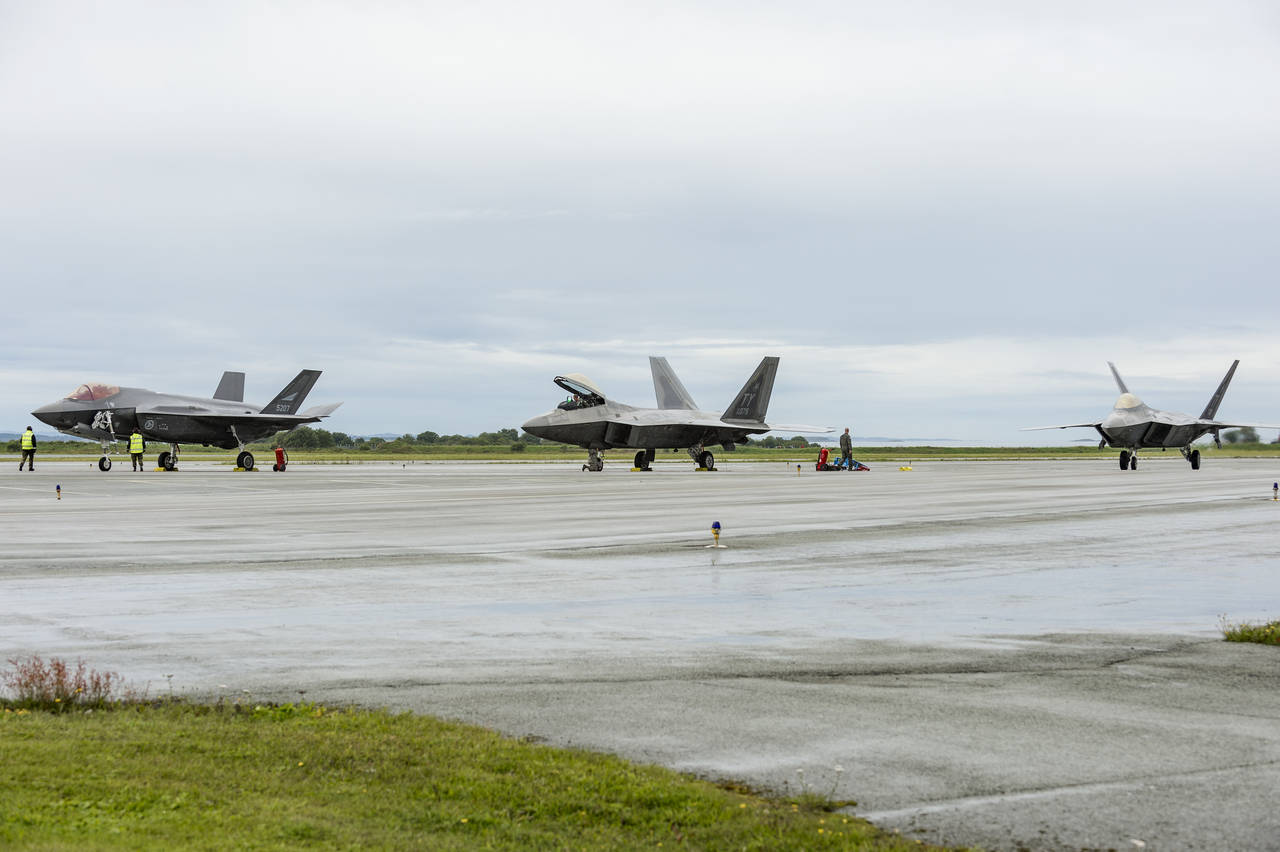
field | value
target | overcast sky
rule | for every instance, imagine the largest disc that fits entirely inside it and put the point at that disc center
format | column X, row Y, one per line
column 944, row 217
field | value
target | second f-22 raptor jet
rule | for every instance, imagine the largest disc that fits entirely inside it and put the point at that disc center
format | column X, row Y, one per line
column 108, row 413
column 596, row 423
column 1133, row 425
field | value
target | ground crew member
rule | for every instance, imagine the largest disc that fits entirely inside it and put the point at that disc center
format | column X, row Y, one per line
column 137, row 447
column 846, row 450
column 28, row 450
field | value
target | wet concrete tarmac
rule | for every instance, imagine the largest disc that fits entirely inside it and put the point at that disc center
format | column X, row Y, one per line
column 1002, row 653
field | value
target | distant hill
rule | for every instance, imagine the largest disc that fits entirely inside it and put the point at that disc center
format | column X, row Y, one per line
column 40, row 436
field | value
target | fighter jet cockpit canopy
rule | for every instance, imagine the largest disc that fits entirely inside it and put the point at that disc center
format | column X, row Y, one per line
column 584, row 393
column 93, row 392
column 1127, row 401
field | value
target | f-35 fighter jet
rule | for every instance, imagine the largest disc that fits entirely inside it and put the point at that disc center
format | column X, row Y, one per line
column 1132, row 425
column 108, row 413
column 590, row 420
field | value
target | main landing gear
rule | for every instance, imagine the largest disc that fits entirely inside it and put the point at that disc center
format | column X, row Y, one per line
column 244, row 461
column 594, row 462
column 704, row 458
column 168, row 461
column 1128, row 461
column 644, row 459
column 1192, row 456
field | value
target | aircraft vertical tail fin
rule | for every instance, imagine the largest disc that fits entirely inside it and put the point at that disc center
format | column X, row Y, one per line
column 1211, row 410
column 289, row 400
column 752, row 402
column 1119, row 381
column 667, row 386
column 231, row 388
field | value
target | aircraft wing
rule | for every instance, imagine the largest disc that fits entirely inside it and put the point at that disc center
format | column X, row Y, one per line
column 680, row 417
column 197, row 412
column 1094, row 425
column 672, row 417
column 211, row 417
column 1214, row 424
column 321, row 410
column 797, row 430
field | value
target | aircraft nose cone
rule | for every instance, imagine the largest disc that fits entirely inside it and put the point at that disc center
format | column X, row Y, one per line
column 48, row 414
column 536, row 425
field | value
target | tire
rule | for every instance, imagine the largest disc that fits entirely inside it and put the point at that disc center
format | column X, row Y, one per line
column 1195, row 459
column 162, row 461
column 1133, row 462
column 707, row 460
column 104, row 464
column 643, row 459
column 245, row 460
column 1124, row 459
column 170, row 463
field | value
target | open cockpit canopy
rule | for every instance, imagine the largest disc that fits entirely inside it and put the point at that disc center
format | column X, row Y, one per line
column 93, row 392
column 582, row 389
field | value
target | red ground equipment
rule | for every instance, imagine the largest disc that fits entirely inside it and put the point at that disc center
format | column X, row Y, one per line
column 824, row 462
column 282, row 459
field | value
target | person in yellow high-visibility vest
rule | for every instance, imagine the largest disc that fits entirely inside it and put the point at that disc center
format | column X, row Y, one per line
column 137, row 446
column 28, row 450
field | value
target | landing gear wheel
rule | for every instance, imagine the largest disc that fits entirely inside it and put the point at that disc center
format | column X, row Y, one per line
column 169, row 463
column 162, row 461
column 643, row 459
column 1124, row 460
column 1133, row 462
column 1194, row 458
column 707, row 460
column 245, row 460
column 104, row 463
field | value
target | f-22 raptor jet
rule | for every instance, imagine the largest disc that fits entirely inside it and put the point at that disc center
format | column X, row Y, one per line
column 1132, row 425
column 107, row 413
column 596, row 423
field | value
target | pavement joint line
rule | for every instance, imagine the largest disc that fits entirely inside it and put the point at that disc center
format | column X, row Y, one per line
column 971, row 802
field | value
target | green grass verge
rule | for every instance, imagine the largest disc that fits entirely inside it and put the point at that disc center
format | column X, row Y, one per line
column 177, row 775
column 1263, row 634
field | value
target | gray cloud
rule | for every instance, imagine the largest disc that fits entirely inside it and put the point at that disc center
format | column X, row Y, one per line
column 444, row 206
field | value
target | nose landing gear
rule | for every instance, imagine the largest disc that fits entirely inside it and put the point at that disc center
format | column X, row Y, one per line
column 108, row 447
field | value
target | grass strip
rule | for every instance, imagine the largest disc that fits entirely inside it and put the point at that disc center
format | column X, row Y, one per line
column 179, row 775
column 1263, row 634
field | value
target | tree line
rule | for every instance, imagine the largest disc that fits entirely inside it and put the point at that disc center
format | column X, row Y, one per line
column 307, row 438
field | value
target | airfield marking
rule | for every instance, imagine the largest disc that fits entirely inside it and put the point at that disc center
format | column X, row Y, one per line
column 1137, row 783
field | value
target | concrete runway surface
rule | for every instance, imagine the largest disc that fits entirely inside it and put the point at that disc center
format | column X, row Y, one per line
column 998, row 653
